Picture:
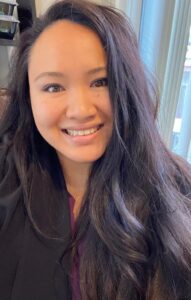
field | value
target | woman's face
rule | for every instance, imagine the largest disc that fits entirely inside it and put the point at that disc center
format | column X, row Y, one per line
column 69, row 93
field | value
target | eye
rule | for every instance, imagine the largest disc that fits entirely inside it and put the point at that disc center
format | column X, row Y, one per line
column 100, row 82
column 53, row 88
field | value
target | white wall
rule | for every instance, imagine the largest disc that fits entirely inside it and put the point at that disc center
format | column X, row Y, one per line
column 42, row 5
column 4, row 66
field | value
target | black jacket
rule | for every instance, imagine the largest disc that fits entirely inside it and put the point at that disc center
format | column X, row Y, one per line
column 29, row 263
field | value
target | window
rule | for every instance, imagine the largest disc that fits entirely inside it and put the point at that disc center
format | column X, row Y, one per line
column 181, row 136
column 165, row 44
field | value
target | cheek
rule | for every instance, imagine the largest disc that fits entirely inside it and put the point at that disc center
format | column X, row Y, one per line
column 109, row 111
column 104, row 103
column 44, row 113
column 107, row 108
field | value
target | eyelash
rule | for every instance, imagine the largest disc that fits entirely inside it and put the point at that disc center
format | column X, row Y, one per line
column 59, row 88
column 52, row 85
column 105, row 80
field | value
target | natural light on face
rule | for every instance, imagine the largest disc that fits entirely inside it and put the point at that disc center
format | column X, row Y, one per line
column 69, row 91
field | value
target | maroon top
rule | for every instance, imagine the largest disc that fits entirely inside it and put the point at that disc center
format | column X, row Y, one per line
column 75, row 266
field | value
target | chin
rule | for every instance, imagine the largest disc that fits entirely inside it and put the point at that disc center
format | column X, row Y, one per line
column 84, row 158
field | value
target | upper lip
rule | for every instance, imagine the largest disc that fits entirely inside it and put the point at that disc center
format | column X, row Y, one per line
column 82, row 128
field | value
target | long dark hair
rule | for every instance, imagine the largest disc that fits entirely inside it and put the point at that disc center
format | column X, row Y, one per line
column 135, row 221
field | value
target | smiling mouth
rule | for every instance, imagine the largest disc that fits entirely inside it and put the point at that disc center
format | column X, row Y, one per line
column 82, row 132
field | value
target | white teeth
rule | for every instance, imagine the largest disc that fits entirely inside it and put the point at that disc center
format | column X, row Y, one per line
column 81, row 132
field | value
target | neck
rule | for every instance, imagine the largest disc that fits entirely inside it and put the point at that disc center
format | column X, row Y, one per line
column 76, row 177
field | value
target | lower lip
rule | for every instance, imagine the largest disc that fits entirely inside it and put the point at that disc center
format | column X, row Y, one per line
column 82, row 139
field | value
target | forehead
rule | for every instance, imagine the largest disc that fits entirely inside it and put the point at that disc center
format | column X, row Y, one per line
column 66, row 44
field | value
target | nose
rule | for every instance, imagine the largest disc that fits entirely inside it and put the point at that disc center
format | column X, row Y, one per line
column 80, row 105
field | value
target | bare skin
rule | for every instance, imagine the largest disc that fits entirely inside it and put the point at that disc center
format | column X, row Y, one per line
column 76, row 177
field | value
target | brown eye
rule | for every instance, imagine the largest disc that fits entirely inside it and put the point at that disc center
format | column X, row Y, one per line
column 53, row 88
column 100, row 82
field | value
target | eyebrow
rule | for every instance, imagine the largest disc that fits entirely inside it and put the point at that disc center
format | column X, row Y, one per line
column 62, row 75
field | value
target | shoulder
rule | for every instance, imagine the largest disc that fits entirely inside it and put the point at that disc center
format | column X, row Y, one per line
column 10, row 188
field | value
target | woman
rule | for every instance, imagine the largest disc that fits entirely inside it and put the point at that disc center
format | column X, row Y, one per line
column 92, row 204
